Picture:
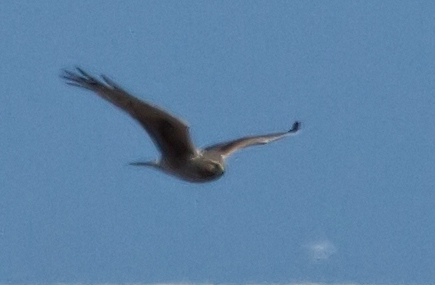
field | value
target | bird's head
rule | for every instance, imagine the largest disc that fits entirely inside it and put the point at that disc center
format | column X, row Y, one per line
column 210, row 169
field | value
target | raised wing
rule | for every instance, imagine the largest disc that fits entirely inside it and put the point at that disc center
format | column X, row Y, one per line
column 227, row 148
column 170, row 134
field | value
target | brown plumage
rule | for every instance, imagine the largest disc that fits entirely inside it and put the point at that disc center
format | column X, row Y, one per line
column 179, row 156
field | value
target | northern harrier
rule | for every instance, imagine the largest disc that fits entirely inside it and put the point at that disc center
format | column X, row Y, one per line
column 179, row 156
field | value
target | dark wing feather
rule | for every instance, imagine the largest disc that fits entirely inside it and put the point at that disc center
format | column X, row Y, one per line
column 170, row 134
column 227, row 148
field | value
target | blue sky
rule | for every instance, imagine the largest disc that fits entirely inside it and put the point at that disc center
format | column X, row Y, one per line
column 349, row 199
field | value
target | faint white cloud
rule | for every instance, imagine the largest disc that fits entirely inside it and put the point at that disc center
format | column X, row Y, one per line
column 321, row 250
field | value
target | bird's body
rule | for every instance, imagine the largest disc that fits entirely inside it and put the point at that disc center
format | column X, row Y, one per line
column 179, row 156
column 196, row 168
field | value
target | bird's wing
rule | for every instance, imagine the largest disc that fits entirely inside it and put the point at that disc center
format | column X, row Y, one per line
column 227, row 148
column 170, row 134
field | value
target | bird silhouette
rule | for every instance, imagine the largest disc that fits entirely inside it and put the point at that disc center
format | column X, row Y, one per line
column 179, row 156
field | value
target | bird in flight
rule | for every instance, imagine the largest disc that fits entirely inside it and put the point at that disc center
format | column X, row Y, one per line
column 179, row 156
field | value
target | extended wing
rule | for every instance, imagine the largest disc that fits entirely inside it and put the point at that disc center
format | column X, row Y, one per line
column 227, row 148
column 170, row 134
